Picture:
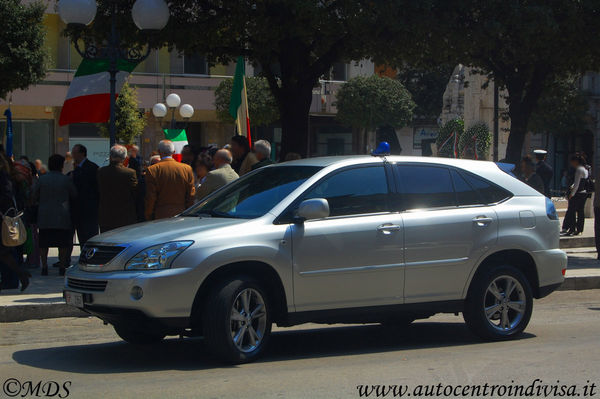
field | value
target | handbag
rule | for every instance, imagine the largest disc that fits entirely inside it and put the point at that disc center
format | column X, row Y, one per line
column 14, row 232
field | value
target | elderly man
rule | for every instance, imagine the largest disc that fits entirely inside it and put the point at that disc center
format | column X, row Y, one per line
column 117, row 186
column 243, row 158
column 262, row 150
column 169, row 185
column 222, row 175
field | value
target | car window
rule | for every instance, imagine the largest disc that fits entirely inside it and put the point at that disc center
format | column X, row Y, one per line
column 353, row 191
column 255, row 194
column 425, row 187
column 489, row 192
column 465, row 194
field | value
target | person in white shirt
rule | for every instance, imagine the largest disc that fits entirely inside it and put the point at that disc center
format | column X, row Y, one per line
column 577, row 195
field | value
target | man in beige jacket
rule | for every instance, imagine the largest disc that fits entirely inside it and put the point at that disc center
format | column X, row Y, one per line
column 222, row 174
column 169, row 185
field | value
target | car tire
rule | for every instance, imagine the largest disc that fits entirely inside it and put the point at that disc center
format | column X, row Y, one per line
column 237, row 321
column 137, row 337
column 499, row 303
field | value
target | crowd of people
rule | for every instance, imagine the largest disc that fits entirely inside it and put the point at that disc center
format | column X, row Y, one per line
column 71, row 196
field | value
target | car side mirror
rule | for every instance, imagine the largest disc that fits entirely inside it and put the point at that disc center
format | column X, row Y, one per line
column 316, row 208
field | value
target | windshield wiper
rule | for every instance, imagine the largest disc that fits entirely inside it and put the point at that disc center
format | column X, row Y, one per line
column 216, row 214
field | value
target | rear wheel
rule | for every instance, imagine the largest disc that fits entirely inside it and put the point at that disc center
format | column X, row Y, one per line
column 237, row 321
column 499, row 303
column 137, row 337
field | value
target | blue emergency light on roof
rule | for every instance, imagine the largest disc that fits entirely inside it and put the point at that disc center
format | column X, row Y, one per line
column 382, row 149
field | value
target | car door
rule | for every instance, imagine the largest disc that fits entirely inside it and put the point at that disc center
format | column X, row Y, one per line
column 447, row 228
column 354, row 257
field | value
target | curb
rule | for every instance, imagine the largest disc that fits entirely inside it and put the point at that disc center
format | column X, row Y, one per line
column 577, row 242
column 17, row 313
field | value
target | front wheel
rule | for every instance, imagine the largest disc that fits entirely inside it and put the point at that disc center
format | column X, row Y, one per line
column 237, row 321
column 499, row 303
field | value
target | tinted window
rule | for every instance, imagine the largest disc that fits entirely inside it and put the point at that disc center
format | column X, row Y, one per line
column 425, row 187
column 353, row 191
column 254, row 195
column 489, row 192
column 465, row 194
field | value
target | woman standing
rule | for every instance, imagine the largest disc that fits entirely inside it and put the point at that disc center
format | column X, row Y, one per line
column 8, row 202
column 54, row 192
column 577, row 195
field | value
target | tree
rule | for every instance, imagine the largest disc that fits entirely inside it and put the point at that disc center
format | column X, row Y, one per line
column 521, row 44
column 262, row 106
column 367, row 103
column 475, row 142
column 562, row 108
column 130, row 121
column 427, row 86
column 448, row 137
column 293, row 42
column 23, row 56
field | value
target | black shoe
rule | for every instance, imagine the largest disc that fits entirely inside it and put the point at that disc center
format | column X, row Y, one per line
column 24, row 279
column 56, row 264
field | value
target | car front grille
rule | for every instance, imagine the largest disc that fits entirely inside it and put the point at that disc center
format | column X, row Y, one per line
column 99, row 254
column 87, row 285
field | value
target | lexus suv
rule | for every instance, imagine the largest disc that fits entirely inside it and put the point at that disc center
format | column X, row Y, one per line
column 358, row 239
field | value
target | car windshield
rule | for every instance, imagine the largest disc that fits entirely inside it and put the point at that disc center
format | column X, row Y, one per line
column 254, row 195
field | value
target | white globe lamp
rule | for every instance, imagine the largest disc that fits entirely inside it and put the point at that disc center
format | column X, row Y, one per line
column 159, row 110
column 150, row 14
column 77, row 12
column 186, row 111
column 173, row 100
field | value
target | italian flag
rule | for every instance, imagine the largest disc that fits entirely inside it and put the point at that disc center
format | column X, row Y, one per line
column 179, row 139
column 88, row 98
column 238, row 105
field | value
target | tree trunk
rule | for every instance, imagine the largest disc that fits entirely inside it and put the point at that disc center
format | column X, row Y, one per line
column 519, row 115
column 294, row 108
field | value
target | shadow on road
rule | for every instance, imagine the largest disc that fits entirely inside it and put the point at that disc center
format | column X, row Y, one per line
column 190, row 354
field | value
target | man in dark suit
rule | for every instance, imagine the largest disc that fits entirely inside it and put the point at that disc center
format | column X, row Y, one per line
column 117, row 186
column 544, row 170
column 85, row 208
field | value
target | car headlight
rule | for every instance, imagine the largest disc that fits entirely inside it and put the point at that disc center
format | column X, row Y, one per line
column 158, row 256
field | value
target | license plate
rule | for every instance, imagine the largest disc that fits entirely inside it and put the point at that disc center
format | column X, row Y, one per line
column 74, row 299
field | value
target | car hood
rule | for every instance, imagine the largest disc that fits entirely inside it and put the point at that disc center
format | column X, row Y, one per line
column 163, row 230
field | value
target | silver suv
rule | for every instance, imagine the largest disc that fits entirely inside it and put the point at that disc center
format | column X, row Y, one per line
column 329, row 240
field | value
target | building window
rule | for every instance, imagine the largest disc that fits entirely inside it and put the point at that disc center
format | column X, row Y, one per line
column 339, row 71
column 195, row 64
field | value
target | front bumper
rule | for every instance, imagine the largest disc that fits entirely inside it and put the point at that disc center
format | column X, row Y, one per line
column 551, row 265
column 167, row 294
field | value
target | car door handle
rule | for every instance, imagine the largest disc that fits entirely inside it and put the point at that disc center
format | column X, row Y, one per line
column 388, row 228
column 482, row 221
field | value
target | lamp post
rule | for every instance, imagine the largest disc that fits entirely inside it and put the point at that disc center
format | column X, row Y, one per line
column 173, row 101
column 148, row 15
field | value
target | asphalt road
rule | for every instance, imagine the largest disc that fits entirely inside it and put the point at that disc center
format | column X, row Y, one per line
column 561, row 343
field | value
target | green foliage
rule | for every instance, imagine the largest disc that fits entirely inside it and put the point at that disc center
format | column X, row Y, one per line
column 477, row 135
column 23, row 56
column 372, row 102
column 562, row 108
column 444, row 143
column 130, row 121
column 261, row 103
column 427, row 86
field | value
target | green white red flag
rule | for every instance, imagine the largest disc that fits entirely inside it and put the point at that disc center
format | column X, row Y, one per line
column 88, row 98
column 238, row 105
column 179, row 139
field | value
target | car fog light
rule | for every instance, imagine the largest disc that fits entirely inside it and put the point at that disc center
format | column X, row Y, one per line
column 137, row 293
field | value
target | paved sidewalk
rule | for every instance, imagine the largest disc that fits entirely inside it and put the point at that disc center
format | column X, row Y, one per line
column 43, row 298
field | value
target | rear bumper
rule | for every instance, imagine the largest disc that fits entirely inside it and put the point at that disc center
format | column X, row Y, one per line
column 550, row 266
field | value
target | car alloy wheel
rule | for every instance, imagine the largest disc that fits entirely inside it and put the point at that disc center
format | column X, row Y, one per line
column 505, row 303
column 248, row 320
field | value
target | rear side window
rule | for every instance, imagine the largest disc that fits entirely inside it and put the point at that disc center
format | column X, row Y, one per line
column 425, row 187
column 465, row 194
column 353, row 191
column 490, row 193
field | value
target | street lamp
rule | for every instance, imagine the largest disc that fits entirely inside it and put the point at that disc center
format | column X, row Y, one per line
column 148, row 15
column 173, row 101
